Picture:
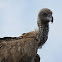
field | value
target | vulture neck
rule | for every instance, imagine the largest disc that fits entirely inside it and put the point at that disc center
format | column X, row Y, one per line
column 43, row 29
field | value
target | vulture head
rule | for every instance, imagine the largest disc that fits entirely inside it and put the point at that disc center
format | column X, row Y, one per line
column 45, row 15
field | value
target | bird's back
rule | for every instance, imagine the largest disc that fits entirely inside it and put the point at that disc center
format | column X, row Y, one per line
column 18, row 48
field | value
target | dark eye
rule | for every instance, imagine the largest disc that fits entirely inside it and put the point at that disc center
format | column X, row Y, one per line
column 44, row 14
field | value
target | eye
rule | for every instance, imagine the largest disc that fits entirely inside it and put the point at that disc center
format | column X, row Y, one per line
column 44, row 14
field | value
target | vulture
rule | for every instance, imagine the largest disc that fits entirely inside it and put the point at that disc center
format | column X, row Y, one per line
column 24, row 48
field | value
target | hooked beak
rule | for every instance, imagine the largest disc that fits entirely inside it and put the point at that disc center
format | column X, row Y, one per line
column 50, row 18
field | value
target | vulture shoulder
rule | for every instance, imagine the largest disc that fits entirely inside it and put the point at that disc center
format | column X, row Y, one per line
column 23, row 47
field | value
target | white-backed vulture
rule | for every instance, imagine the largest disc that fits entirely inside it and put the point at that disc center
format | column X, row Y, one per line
column 24, row 48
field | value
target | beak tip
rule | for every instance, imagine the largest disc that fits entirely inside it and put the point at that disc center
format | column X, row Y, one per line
column 52, row 20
